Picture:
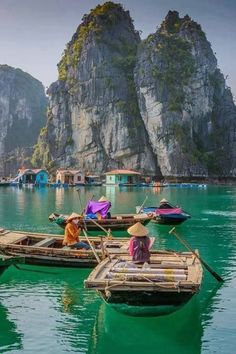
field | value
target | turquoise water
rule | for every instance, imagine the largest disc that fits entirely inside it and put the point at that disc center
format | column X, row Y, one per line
column 47, row 310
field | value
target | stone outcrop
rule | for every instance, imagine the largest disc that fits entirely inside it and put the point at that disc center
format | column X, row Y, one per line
column 94, row 121
column 22, row 114
column 186, row 107
column 160, row 106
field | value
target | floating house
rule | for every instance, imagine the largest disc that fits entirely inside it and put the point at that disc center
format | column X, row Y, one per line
column 92, row 180
column 123, row 177
column 31, row 176
column 71, row 177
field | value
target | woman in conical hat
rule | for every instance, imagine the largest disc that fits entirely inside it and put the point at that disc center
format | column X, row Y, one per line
column 138, row 230
column 73, row 216
column 139, row 243
column 164, row 204
column 72, row 232
column 163, row 201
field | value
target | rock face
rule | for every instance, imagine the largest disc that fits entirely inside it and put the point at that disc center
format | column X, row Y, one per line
column 94, row 121
column 22, row 115
column 187, row 110
column 160, row 106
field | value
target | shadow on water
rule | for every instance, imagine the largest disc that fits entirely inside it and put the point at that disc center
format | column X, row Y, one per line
column 10, row 338
column 180, row 332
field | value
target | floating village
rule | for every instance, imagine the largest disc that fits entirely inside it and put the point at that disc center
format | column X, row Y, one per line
column 127, row 272
column 117, row 177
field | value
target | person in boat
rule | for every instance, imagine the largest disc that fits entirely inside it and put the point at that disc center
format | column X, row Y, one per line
column 72, row 232
column 139, row 244
column 98, row 209
column 108, row 215
column 164, row 204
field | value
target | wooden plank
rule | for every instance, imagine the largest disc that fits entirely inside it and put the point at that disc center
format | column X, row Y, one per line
column 45, row 242
column 12, row 237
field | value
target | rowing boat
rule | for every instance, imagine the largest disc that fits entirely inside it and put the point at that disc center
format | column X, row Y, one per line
column 116, row 222
column 47, row 249
column 166, row 214
column 161, row 287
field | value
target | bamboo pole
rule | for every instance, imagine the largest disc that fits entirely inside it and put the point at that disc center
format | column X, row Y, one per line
column 186, row 244
column 142, row 205
column 93, row 249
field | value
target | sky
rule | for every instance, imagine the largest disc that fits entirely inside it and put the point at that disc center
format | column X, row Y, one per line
column 33, row 33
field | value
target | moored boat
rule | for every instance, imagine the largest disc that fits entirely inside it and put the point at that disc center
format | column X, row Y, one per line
column 115, row 222
column 166, row 213
column 161, row 287
column 47, row 249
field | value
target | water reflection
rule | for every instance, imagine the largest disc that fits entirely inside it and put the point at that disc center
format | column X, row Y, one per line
column 177, row 333
column 10, row 338
column 59, row 198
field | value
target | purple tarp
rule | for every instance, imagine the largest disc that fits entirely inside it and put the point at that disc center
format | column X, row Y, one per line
column 94, row 207
column 168, row 211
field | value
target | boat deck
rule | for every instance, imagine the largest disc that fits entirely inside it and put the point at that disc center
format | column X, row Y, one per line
column 167, row 270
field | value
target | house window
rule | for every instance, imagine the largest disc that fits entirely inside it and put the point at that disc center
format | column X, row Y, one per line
column 110, row 178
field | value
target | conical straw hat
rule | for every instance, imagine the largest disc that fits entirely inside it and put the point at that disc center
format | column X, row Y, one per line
column 73, row 216
column 138, row 230
column 103, row 199
column 163, row 201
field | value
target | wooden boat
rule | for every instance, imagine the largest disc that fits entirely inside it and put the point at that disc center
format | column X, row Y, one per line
column 47, row 249
column 161, row 287
column 166, row 214
column 116, row 222
column 4, row 183
column 7, row 261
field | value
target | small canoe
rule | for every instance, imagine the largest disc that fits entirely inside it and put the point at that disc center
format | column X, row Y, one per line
column 116, row 222
column 7, row 261
column 167, row 215
column 47, row 249
column 161, row 287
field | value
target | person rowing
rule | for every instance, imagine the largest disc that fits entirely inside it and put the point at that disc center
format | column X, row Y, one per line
column 72, row 233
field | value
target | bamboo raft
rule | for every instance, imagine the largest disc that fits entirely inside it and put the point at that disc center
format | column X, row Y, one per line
column 116, row 222
column 47, row 249
column 168, row 282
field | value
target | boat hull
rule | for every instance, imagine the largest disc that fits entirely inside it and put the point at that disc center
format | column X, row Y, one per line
column 3, row 268
column 55, row 261
column 7, row 261
column 48, row 250
column 114, row 224
column 169, row 219
column 145, row 303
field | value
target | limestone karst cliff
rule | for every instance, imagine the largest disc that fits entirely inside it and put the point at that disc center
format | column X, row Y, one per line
column 22, row 114
column 93, row 120
column 186, row 107
column 160, row 105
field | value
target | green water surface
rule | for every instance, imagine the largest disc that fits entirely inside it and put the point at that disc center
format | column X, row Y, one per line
column 47, row 310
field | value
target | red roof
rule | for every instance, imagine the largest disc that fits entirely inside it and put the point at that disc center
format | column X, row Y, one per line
column 123, row 172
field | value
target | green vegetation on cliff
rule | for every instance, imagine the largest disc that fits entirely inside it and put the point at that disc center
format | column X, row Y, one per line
column 100, row 17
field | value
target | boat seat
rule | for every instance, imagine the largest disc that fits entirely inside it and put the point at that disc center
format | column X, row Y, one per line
column 45, row 242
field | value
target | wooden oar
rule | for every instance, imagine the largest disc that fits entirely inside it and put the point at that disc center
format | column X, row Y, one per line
column 186, row 244
column 93, row 249
column 142, row 204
